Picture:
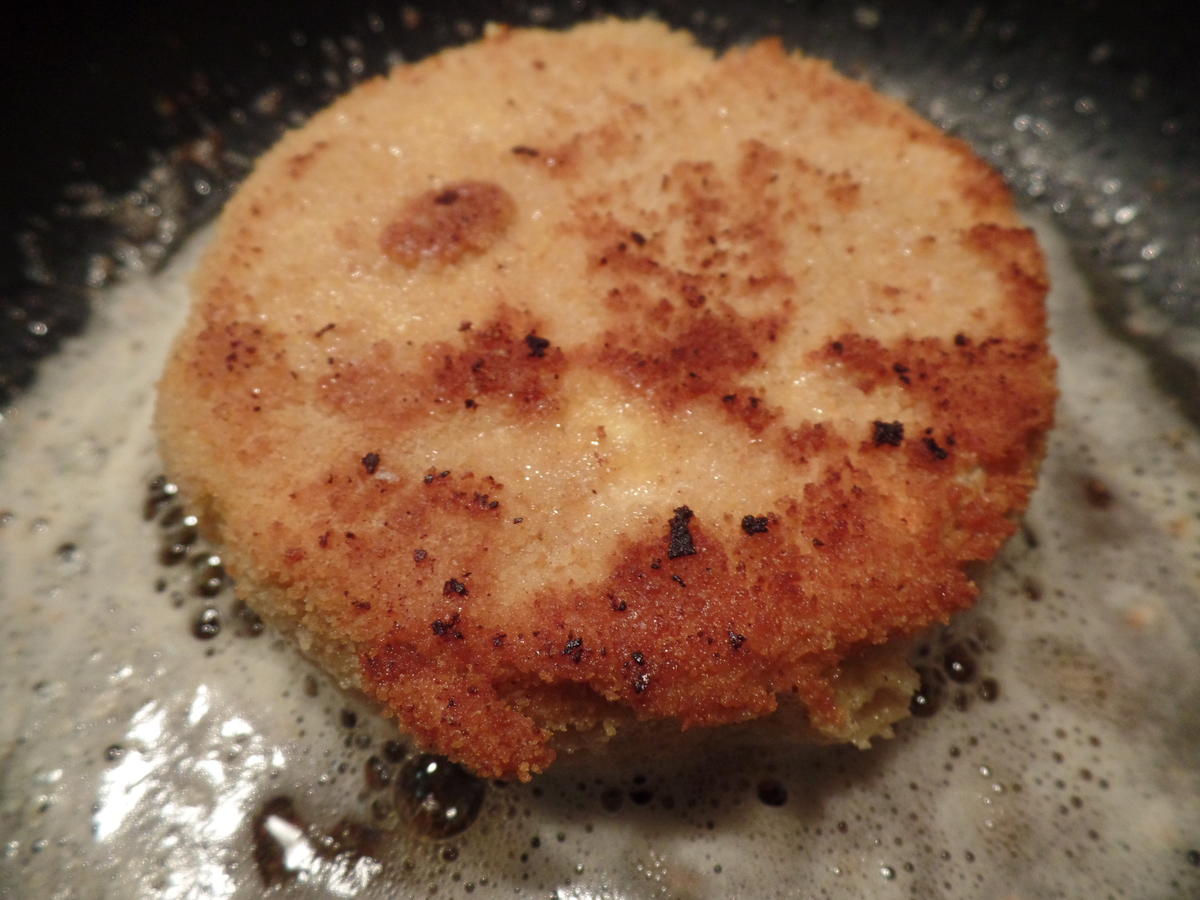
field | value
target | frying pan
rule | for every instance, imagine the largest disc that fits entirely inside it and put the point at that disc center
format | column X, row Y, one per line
column 126, row 129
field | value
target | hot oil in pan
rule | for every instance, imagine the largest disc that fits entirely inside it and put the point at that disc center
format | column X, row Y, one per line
column 161, row 742
column 165, row 738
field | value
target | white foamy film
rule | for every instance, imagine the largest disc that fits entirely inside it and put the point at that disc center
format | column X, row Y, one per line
column 136, row 759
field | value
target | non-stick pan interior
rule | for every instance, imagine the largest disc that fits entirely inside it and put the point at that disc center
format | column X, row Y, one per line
column 145, row 753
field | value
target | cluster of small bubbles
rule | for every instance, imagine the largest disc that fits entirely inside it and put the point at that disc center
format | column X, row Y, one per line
column 194, row 568
column 376, row 773
column 208, row 575
column 250, row 624
column 948, row 663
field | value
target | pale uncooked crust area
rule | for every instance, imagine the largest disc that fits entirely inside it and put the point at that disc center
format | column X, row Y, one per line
column 490, row 362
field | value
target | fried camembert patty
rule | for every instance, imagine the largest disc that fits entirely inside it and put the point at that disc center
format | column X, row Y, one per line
column 568, row 380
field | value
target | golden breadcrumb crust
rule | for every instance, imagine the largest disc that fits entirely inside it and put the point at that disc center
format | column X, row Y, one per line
column 572, row 378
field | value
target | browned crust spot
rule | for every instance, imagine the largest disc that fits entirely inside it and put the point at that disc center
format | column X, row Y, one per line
column 500, row 362
column 443, row 225
column 298, row 164
column 833, row 573
column 989, row 396
column 690, row 617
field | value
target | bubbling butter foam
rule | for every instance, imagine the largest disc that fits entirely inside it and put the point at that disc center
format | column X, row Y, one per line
column 158, row 742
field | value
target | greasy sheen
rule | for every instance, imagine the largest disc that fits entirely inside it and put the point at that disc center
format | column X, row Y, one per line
column 567, row 379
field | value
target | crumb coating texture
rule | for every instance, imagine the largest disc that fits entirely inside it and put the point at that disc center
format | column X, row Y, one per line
column 567, row 379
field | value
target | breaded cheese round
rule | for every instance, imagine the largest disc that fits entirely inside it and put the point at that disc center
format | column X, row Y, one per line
column 572, row 379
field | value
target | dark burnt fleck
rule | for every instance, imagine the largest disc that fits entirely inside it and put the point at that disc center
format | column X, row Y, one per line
column 453, row 587
column 638, row 657
column 638, row 237
column 464, row 325
column 754, row 524
column 537, row 345
column 574, row 649
column 681, row 536
column 517, row 520
column 522, row 150
column 349, row 718
column 837, row 347
column 445, row 473
column 617, row 603
column 641, row 682
column 370, row 462
column 428, row 479
column 420, row 555
column 729, row 398
column 656, row 563
column 446, row 198
column 817, row 542
column 325, row 330
column 446, row 627
column 498, row 640
column 961, row 340
column 932, row 446
column 470, row 404
column 736, row 640
column 902, row 370
column 890, row 433
column 679, row 581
